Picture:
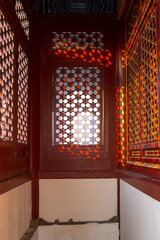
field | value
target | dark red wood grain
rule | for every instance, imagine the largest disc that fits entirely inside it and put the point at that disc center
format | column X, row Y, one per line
column 14, row 182
column 78, row 174
column 35, row 114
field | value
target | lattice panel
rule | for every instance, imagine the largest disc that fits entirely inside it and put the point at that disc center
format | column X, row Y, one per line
column 21, row 14
column 22, row 125
column 133, row 17
column 78, row 106
column 79, row 40
column 150, row 111
column 6, row 79
column 122, row 138
column 133, row 93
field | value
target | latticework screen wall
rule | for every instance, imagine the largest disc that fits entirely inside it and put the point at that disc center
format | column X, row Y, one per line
column 149, row 78
column 6, row 79
column 133, row 98
column 121, row 125
column 22, row 16
column 78, row 106
column 22, row 125
column 132, row 17
column 14, row 124
column 77, row 40
column 143, row 94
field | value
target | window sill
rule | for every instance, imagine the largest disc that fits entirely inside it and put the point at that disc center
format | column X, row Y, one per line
column 146, row 184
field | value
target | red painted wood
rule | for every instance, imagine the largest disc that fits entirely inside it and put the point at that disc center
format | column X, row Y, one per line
column 146, row 184
column 50, row 158
column 35, row 113
column 78, row 174
column 14, row 157
column 152, row 144
column 14, row 182
column 118, row 201
column 76, row 164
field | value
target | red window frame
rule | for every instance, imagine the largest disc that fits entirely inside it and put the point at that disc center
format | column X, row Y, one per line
column 51, row 158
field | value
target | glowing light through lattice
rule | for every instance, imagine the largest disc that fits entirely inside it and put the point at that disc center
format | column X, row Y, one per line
column 82, row 46
column 133, row 98
column 22, row 16
column 121, row 133
column 117, row 126
column 6, row 79
column 88, row 152
column 143, row 94
column 100, row 57
column 78, row 101
column 78, row 40
column 22, row 125
column 149, row 79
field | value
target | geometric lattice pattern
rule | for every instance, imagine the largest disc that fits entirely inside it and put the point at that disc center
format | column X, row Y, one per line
column 78, row 106
column 122, row 125
column 150, row 122
column 143, row 93
column 22, row 16
column 121, row 119
column 132, row 17
column 22, row 125
column 74, row 6
column 133, row 94
column 78, row 40
column 6, row 79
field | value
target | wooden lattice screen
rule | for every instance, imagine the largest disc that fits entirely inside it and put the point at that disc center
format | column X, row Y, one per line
column 22, row 125
column 6, row 80
column 14, row 102
column 77, row 40
column 22, row 16
column 133, row 15
column 78, row 105
column 143, row 92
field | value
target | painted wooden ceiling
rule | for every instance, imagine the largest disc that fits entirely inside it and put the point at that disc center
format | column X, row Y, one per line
column 74, row 6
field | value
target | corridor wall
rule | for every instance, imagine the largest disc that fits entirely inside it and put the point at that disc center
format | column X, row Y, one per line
column 15, row 212
column 139, row 214
column 79, row 199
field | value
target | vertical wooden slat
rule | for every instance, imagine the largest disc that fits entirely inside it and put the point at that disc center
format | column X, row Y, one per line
column 35, row 114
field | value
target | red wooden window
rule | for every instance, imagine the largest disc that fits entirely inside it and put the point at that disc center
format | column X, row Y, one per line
column 143, row 93
column 14, row 118
column 22, row 16
column 133, row 95
column 6, row 80
column 77, row 116
column 76, row 90
column 149, row 69
column 133, row 15
column 22, row 125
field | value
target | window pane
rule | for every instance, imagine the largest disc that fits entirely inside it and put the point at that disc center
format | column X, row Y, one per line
column 77, row 106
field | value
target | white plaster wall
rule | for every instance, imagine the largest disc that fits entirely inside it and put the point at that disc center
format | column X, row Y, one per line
column 36, row 235
column 80, row 232
column 79, row 199
column 15, row 212
column 139, row 214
